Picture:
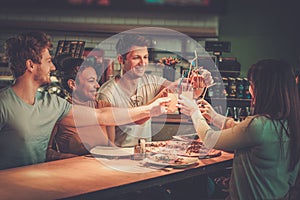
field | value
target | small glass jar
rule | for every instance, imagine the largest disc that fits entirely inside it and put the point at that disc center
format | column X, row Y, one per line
column 140, row 150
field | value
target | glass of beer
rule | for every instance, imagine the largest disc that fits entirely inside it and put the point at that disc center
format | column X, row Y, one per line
column 173, row 95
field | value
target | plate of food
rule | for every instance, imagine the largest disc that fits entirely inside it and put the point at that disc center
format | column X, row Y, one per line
column 166, row 147
column 112, row 151
column 193, row 148
column 197, row 149
column 166, row 160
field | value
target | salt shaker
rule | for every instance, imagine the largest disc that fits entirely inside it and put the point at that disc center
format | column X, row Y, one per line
column 143, row 146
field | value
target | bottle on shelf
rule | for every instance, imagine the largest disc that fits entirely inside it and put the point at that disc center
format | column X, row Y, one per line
column 217, row 88
column 246, row 84
column 239, row 88
column 243, row 113
column 231, row 87
column 237, row 113
column 236, row 88
column 229, row 112
column 225, row 83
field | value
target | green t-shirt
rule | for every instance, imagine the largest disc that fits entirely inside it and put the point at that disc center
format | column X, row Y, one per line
column 261, row 161
column 25, row 129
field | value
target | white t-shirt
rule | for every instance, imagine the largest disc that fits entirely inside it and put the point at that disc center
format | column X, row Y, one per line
column 148, row 87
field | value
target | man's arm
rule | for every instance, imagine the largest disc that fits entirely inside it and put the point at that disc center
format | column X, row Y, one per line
column 111, row 134
column 112, row 116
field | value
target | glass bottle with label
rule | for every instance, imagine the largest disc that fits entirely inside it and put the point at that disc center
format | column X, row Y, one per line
column 239, row 88
column 140, row 150
column 231, row 87
column 225, row 83
column 246, row 84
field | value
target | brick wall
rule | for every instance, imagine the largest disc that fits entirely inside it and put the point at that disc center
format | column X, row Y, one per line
column 57, row 23
column 95, row 27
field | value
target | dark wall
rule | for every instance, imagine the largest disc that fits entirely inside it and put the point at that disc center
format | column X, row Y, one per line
column 261, row 29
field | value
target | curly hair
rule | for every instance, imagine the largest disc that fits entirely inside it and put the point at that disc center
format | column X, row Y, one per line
column 27, row 45
column 71, row 67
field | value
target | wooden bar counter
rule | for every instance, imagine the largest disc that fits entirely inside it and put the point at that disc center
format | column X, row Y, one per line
column 85, row 177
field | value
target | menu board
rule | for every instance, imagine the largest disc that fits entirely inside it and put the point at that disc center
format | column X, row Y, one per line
column 72, row 47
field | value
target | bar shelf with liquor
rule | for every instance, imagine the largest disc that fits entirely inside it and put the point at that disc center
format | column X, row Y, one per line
column 230, row 97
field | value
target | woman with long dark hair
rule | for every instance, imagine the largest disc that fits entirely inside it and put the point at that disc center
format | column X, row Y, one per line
column 266, row 145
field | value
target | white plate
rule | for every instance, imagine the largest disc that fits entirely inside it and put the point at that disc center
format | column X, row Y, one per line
column 187, row 137
column 112, row 151
column 185, row 162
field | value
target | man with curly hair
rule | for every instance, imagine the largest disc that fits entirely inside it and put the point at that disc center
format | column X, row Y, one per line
column 28, row 116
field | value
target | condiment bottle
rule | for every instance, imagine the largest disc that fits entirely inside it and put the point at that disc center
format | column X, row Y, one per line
column 139, row 150
column 143, row 146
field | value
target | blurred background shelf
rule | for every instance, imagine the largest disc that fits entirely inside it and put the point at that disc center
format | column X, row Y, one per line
column 6, row 77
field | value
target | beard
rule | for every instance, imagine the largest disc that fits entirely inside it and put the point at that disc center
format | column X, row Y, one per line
column 41, row 78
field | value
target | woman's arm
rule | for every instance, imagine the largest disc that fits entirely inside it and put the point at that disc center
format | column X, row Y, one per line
column 213, row 117
column 227, row 139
